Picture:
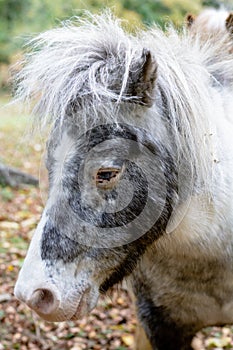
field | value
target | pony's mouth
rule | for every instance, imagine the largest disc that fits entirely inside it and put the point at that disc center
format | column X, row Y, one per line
column 82, row 307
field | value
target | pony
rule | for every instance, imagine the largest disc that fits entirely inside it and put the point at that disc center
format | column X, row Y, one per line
column 140, row 170
column 211, row 22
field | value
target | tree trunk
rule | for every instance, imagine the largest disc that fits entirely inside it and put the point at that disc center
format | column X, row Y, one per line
column 13, row 177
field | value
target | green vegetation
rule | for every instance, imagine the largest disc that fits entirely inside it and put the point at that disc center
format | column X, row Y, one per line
column 161, row 11
column 11, row 13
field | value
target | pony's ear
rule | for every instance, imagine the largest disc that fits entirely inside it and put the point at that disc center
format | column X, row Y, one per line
column 189, row 20
column 229, row 23
column 143, row 80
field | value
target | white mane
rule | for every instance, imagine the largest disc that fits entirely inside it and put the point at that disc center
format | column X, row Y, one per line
column 77, row 66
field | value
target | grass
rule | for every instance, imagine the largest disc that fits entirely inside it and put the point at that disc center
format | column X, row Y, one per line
column 13, row 125
column 11, row 116
column 20, row 147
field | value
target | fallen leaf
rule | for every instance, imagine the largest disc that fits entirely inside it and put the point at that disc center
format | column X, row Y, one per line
column 128, row 340
column 9, row 225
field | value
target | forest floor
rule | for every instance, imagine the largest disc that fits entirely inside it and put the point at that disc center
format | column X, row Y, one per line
column 112, row 324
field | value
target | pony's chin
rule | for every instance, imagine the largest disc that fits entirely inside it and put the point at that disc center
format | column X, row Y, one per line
column 83, row 307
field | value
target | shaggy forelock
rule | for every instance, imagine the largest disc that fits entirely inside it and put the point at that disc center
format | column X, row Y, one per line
column 85, row 62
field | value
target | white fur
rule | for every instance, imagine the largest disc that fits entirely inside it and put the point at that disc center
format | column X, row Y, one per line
column 69, row 281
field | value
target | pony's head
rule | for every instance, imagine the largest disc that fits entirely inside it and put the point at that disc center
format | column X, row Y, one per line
column 124, row 109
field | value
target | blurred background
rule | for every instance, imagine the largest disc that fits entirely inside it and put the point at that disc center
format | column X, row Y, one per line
column 112, row 324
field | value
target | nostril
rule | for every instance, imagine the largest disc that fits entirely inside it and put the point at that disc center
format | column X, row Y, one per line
column 43, row 301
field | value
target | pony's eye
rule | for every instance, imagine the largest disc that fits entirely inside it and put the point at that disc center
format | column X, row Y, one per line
column 106, row 178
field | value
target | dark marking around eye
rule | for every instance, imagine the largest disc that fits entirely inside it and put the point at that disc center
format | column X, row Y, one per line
column 122, row 217
column 129, row 170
